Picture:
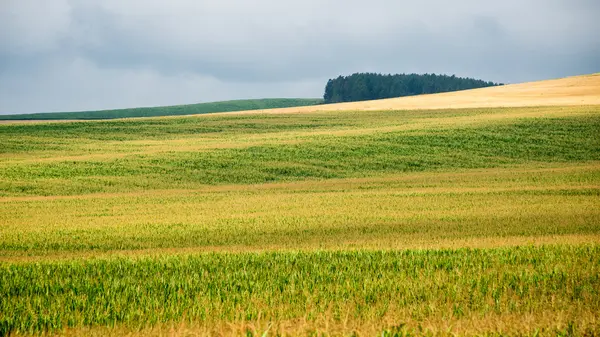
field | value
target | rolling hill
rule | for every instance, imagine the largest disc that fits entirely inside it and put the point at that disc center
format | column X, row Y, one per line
column 476, row 217
column 576, row 90
column 176, row 110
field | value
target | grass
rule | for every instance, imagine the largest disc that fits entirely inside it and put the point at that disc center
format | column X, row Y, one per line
column 417, row 209
column 177, row 110
column 467, row 221
column 350, row 290
column 192, row 152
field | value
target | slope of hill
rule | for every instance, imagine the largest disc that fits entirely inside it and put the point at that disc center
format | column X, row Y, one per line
column 118, row 215
column 577, row 90
column 177, row 110
column 570, row 91
column 318, row 223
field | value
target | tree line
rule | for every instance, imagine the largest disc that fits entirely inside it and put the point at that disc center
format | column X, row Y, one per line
column 368, row 86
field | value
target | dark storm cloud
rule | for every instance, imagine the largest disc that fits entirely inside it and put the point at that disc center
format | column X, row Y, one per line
column 71, row 55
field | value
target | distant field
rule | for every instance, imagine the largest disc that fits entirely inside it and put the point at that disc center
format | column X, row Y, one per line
column 389, row 223
column 571, row 91
column 177, row 110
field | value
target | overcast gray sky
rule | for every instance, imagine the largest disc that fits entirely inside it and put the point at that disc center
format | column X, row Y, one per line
column 65, row 55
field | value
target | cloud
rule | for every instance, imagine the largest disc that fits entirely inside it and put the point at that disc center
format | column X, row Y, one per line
column 78, row 84
column 146, row 52
column 32, row 26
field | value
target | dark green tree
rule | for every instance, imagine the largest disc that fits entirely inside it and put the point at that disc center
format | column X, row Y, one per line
column 367, row 86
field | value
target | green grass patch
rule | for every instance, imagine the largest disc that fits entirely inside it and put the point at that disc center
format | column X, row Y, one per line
column 322, row 156
column 359, row 286
column 177, row 110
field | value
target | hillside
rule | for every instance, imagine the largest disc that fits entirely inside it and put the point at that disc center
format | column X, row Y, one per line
column 390, row 222
column 571, row 91
column 177, row 110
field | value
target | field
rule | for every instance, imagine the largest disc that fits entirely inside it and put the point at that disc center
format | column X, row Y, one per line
column 470, row 221
column 177, row 110
column 521, row 290
column 570, row 91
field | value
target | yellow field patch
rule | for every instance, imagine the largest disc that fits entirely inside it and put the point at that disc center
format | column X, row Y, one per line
column 577, row 90
column 474, row 208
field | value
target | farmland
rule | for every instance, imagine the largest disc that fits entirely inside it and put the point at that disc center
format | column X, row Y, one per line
column 475, row 220
column 301, row 292
column 177, row 110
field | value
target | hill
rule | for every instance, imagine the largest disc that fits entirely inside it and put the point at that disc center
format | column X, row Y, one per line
column 176, row 110
column 462, row 222
column 570, row 91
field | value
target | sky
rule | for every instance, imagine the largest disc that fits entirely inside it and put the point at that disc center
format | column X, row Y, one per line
column 72, row 55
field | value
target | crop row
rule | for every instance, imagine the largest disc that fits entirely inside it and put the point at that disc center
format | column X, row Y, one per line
column 415, row 285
